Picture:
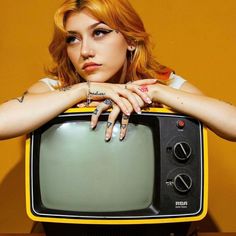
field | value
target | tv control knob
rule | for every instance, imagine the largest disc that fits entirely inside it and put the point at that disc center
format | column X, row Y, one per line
column 183, row 183
column 182, row 151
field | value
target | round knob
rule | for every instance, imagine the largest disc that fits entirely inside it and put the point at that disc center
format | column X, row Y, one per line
column 182, row 151
column 182, row 183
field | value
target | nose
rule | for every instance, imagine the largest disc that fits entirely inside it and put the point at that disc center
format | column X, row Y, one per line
column 86, row 50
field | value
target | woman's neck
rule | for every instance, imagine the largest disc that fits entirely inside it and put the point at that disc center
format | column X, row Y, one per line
column 120, row 76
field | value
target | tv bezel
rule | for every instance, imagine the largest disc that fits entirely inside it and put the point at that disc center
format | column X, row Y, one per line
column 137, row 217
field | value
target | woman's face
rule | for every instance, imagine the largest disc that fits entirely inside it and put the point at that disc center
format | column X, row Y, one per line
column 97, row 51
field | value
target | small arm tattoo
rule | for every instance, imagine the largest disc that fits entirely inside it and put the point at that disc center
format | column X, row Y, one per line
column 63, row 89
column 21, row 99
column 229, row 103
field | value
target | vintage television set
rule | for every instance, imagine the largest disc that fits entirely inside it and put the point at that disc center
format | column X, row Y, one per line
column 157, row 174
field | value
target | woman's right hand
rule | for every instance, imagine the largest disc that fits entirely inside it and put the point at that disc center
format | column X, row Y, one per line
column 115, row 92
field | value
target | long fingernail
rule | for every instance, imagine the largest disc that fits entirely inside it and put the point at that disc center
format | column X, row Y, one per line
column 149, row 100
column 92, row 125
column 138, row 110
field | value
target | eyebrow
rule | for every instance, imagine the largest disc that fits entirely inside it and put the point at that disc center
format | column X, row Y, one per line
column 90, row 27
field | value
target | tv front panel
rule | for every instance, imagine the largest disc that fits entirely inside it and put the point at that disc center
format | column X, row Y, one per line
column 157, row 174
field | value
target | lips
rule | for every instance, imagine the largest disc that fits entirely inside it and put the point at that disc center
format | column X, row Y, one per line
column 91, row 66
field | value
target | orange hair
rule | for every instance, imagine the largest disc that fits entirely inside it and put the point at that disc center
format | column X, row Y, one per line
column 119, row 15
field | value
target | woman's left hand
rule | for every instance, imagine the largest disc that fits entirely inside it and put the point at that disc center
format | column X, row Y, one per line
column 103, row 106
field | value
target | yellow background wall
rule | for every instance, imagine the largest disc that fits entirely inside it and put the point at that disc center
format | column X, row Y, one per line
column 196, row 38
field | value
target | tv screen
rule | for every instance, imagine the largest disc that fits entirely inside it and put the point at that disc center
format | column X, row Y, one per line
column 79, row 171
column 157, row 174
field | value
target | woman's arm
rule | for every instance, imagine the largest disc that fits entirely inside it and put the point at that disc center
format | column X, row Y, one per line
column 219, row 116
column 37, row 106
column 40, row 104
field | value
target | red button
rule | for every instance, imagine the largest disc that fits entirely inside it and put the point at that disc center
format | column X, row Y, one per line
column 180, row 124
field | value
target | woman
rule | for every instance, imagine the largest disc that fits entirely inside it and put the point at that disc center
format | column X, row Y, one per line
column 99, row 47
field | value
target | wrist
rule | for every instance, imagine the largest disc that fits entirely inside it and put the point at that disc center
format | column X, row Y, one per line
column 82, row 90
column 154, row 91
column 151, row 92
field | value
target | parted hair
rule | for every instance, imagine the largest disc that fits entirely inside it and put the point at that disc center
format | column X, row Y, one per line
column 119, row 15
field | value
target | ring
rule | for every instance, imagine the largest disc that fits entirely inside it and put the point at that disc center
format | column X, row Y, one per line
column 108, row 102
column 125, row 117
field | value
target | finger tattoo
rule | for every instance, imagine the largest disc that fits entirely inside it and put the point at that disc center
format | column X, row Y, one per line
column 95, row 112
column 109, row 124
column 143, row 88
column 123, row 126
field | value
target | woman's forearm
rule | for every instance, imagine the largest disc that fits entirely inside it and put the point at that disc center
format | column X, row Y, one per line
column 30, row 111
column 219, row 116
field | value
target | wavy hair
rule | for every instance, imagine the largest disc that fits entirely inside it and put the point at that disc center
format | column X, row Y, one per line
column 119, row 15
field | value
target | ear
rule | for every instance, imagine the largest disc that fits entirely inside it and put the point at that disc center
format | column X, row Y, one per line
column 131, row 48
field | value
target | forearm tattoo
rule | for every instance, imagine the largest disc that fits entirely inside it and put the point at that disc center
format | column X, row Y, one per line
column 229, row 103
column 21, row 99
column 63, row 89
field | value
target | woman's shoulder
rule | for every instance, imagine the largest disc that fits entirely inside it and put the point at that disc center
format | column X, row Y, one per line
column 176, row 81
column 50, row 82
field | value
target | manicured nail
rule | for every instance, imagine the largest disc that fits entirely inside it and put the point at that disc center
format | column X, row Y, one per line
column 149, row 100
column 138, row 110
column 92, row 126
column 107, row 138
column 122, row 137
